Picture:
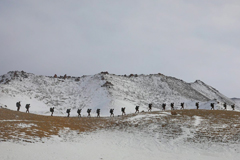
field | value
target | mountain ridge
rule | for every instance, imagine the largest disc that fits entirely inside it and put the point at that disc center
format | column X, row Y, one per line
column 104, row 91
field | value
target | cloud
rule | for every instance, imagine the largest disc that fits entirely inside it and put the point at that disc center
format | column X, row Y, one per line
column 185, row 39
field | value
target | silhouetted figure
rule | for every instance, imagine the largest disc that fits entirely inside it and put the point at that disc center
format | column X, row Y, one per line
column 27, row 108
column 98, row 112
column 137, row 109
column 212, row 106
column 172, row 106
column 149, row 107
column 18, row 105
column 52, row 110
column 197, row 105
column 182, row 105
column 79, row 112
column 111, row 112
column 123, row 111
column 225, row 106
column 68, row 112
column 89, row 112
column 163, row 106
column 233, row 107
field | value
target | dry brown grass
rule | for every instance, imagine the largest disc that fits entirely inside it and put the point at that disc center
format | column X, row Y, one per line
column 43, row 126
column 173, row 113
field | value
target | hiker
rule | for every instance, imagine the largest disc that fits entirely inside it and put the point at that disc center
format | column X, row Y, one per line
column 27, row 108
column 68, row 112
column 111, row 112
column 212, row 106
column 123, row 111
column 172, row 106
column 149, row 107
column 18, row 105
column 197, row 105
column 137, row 109
column 79, row 112
column 233, row 107
column 163, row 106
column 182, row 105
column 225, row 106
column 98, row 112
column 52, row 110
column 89, row 112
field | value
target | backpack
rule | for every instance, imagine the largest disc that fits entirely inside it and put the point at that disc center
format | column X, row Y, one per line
column 27, row 106
column 18, row 104
column 111, row 110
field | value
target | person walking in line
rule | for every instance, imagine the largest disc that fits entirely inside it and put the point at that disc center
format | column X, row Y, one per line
column 89, row 112
column 172, row 106
column 18, row 105
column 68, row 112
column 182, row 105
column 149, row 107
column 225, row 106
column 27, row 108
column 164, row 106
column 111, row 112
column 52, row 110
column 137, row 109
column 98, row 112
column 197, row 105
column 212, row 106
column 123, row 111
column 79, row 112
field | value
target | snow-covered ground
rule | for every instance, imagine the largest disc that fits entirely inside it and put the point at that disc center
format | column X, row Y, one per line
column 114, row 145
column 118, row 144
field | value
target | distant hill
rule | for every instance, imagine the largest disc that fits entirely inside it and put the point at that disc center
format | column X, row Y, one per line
column 104, row 91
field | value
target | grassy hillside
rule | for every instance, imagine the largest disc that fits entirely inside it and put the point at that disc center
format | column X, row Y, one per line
column 187, row 126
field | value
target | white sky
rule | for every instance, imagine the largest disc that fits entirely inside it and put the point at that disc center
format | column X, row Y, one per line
column 186, row 39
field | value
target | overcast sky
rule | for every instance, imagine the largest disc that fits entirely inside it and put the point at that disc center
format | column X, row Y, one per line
column 186, row 39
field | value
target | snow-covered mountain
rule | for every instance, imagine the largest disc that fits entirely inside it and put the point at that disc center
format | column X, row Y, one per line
column 104, row 91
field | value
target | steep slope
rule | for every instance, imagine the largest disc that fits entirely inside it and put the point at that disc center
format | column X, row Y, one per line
column 212, row 93
column 157, row 89
column 103, row 91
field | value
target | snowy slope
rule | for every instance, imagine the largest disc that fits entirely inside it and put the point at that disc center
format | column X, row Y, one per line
column 210, row 92
column 151, row 136
column 157, row 89
column 44, row 92
column 103, row 91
